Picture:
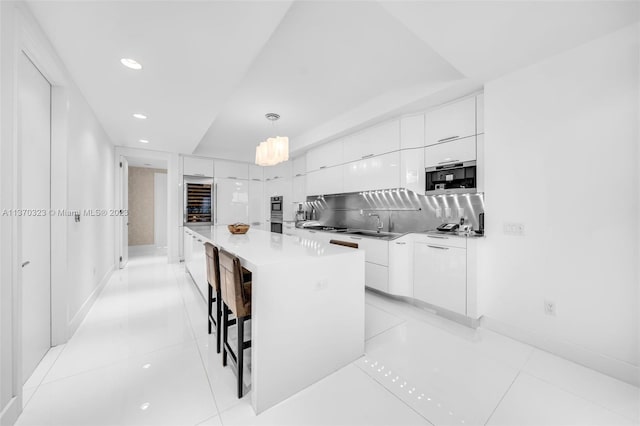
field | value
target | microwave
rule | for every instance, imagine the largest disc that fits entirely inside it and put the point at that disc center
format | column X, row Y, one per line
column 455, row 178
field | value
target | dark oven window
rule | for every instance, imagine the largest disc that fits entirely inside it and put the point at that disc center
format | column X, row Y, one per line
column 276, row 207
column 276, row 227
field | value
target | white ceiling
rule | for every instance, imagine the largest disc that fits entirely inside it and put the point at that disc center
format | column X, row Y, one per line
column 150, row 163
column 212, row 69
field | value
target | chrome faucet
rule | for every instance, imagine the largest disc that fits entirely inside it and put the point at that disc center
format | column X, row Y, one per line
column 379, row 225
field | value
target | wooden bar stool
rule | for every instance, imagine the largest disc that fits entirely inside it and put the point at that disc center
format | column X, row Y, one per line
column 213, row 277
column 236, row 298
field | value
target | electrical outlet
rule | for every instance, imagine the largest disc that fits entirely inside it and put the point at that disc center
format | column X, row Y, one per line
column 510, row 228
column 549, row 307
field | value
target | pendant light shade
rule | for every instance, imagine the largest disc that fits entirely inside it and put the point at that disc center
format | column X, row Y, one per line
column 273, row 150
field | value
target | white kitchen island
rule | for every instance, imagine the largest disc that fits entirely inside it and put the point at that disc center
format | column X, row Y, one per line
column 307, row 308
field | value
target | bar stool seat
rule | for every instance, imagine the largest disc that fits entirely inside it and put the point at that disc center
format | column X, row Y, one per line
column 236, row 299
column 213, row 278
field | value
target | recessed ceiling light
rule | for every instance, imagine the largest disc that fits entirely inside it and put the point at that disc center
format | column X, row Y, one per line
column 131, row 63
column 144, row 141
column 140, row 116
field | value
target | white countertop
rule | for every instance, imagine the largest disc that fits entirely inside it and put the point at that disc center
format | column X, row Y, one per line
column 264, row 247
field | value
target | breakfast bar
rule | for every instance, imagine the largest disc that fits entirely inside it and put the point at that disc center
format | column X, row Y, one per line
column 307, row 308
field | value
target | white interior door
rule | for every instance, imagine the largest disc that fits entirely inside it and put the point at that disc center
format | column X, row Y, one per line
column 34, row 138
column 124, row 202
column 160, row 209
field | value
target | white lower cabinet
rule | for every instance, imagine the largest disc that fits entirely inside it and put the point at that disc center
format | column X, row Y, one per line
column 195, row 260
column 440, row 275
column 401, row 266
column 376, row 276
column 289, row 228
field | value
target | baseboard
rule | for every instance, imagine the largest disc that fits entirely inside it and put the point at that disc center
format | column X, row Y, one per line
column 82, row 312
column 10, row 413
column 617, row 369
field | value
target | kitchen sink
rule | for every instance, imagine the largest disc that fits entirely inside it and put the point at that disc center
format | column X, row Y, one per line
column 374, row 234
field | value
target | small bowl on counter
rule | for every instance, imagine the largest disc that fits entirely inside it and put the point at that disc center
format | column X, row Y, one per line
column 238, row 228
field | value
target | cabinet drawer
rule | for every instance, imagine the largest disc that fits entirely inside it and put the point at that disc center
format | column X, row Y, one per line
column 453, row 121
column 442, row 240
column 376, row 276
column 376, row 251
column 456, row 151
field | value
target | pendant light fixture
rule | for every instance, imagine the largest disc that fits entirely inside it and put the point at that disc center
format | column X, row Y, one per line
column 273, row 150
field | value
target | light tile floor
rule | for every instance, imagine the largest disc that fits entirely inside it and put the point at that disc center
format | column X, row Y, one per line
column 143, row 356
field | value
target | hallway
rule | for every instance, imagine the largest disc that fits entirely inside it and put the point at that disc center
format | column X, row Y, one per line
column 142, row 356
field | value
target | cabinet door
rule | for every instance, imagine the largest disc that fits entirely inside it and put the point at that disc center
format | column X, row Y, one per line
column 440, row 276
column 231, row 201
column 412, row 132
column 256, row 204
column 288, row 228
column 186, row 246
column 299, row 189
column 401, row 266
column 480, row 113
column 256, row 172
column 453, row 121
column 231, row 169
column 299, row 166
column 376, row 276
column 412, row 174
column 380, row 172
column 324, row 156
column 200, row 266
column 373, row 141
column 325, row 181
column 456, row 151
column 279, row 171
column 193, row 166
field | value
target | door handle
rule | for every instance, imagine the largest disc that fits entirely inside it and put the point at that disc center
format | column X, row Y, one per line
column 448, row 139
column 26, row 263
column 439, row 248
column 401, row 243
column 355, row 238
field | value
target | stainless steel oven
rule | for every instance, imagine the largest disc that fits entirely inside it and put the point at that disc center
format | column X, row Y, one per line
column 276, row 214
column 458, row 178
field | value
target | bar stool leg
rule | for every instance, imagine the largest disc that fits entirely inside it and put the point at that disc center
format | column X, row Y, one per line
column 218, row 318
column 209, row 308
column 225, row 331
column 240, row 365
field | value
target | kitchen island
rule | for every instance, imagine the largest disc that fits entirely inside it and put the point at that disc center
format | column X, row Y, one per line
column 307, row 314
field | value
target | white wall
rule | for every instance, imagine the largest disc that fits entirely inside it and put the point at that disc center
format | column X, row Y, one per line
column 562, row 157
column 91, row 186
column 82, row 178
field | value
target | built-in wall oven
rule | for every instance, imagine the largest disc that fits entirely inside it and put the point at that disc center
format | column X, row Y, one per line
column 458, row 178
column 276, row 214
column 198, row 200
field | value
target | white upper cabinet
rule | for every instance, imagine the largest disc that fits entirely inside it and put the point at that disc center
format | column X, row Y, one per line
column 380, row 172
column 256, row 172
column 456, row 151
column 256, row 204
column 412, row 173
column 373, row 141
column 279, row 171
column 299, row 166
column 231, row 202
column 299, row 188
column 231, row 169
column 325, row 181
column 326, row 155
column 193, row 166
column 453, row 121
column 480, row 113
column 412, row 132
